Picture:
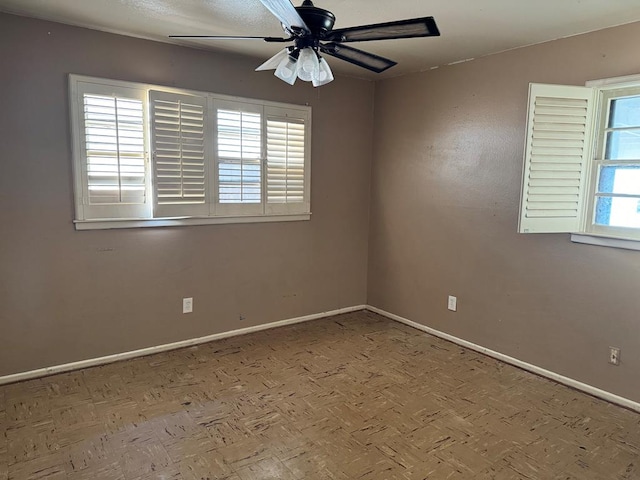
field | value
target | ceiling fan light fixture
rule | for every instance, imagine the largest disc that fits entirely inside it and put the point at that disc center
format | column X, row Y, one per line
column 286, row 70
column 325, row 75
column 308, row 66
column 274, row 61
column 305, row 64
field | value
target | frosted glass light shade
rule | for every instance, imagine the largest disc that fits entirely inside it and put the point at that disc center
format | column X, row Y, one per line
column 305, row 64
column 274, row 61
column 308, row 66
column 286, row 70
column 324, row 74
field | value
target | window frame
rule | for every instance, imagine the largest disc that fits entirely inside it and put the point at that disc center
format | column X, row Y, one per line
column 607, row 91
column 238, row 209
column 234, row 213
column 584, row 230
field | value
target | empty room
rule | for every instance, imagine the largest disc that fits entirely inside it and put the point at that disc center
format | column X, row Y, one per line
column 365, row 240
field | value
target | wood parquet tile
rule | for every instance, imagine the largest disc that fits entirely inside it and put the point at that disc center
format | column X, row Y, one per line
column 355, row 396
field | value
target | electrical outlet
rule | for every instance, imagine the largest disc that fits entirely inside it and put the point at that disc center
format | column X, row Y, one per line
column 452, row 303
column 187, row 305
column 614, row 355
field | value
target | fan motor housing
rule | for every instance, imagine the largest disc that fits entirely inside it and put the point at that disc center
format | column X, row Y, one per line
column 319, row 20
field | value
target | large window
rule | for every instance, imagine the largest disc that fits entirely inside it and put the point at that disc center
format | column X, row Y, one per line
column 582, row 162
column 146, row 155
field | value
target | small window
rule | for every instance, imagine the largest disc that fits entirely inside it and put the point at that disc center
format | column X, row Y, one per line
column 582, row 161
column 617, row 162
column 146, row 155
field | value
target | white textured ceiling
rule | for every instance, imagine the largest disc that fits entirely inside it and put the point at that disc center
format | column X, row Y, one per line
column 470, row 28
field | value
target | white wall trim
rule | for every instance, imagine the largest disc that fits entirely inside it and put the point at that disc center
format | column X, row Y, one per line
column 92, row 362
column 570, row 382
column 605, row 241
column 176, row 222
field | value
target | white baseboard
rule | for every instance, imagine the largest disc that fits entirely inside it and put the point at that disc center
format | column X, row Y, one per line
column 570, row 382
column 92, row 362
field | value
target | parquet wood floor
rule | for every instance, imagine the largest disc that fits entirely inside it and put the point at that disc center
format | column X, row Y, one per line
column 355, row 396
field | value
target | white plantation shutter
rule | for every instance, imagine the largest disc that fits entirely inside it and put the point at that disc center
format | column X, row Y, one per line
column 112, row 147
column 239, row 135
column 145, row 156
column 179, row 137
column 287, row 186
column 557, row 158
column 114, row 142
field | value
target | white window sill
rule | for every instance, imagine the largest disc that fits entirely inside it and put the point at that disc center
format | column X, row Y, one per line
column 183, row 221
column 605, row 241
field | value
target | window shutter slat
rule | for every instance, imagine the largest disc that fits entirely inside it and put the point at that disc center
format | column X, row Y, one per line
column 557, row 155
column 179, row 143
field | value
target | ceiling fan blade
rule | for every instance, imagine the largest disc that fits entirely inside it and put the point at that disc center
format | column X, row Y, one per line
column 226, row 37
column 415, row 27
column 284, row 11
column 372, row 62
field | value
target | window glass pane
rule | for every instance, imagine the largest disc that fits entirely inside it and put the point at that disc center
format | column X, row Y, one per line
column 618, row 212
column 239, row 134
column 624, row 112
column 239, row 182
column 623, row 145
column 620, row 179
column 239, row 151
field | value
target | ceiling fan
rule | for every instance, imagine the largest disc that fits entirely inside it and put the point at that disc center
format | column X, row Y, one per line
column 310, row 28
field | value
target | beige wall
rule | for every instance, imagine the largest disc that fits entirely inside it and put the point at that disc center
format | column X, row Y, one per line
column 445, row 190
column 447, row 154
column 68, row 295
